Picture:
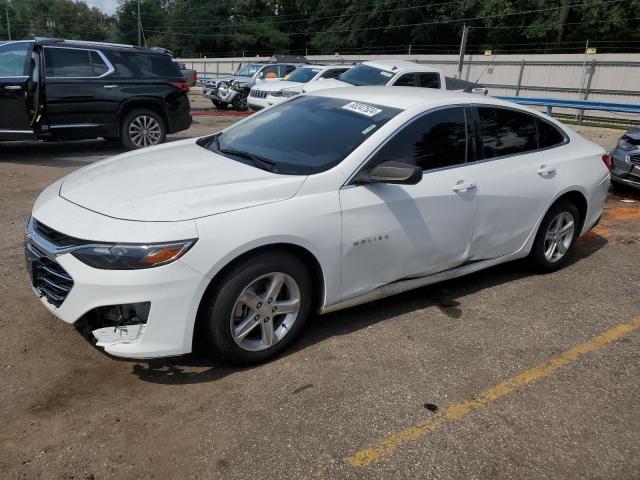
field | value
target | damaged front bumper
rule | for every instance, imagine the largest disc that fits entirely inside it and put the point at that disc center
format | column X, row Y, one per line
column 220, row 94
column 625, row 167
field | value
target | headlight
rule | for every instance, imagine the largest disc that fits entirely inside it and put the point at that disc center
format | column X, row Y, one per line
column 123, row 256
column 288, row 94
column 624, row 144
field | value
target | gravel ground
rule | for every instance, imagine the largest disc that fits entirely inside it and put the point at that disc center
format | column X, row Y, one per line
column 356, row 377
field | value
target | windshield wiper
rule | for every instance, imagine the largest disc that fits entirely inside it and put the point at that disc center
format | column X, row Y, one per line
column 257, row 160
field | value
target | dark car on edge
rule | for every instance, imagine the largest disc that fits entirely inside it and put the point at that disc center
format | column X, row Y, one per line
column 55, row 89
column 625, row 160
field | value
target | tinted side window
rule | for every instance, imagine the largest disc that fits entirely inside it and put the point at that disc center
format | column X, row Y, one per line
column 99, row 67
column 67, row 62
column 13, row 59
column 406, row 80
column 288, row 69
column 505, row 132
column 132, row 64
column 334, row 73
column 548, row 135
column 435, row 140
column 428, row 80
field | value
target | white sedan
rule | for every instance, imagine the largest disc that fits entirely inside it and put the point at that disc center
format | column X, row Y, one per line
column 325, row 201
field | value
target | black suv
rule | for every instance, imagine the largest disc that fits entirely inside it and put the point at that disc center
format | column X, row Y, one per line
column 68, row 90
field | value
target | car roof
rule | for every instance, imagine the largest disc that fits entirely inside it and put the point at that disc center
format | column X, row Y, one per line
column 404, row 98
column 60, row 42
column 398, row 65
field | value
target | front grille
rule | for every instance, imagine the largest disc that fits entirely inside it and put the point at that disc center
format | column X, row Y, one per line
column 634, row 158
column 258, row 94
column 59, row 239
column 48, row 277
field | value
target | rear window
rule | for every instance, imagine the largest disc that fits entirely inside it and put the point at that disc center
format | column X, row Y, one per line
column 143, row 65
column 549, row 135
column 305, row 135
column 73, row 63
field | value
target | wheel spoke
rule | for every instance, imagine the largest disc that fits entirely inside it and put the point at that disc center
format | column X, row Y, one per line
column 550, row 250
column 287, row 306
column 268, row 335
column 562, row 249
column 276, row 285
column 250, row 299
column 567, row 228
column 245, row 327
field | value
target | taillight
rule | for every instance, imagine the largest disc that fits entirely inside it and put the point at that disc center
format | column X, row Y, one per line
column 195, row 76
column 184, row 86
column 607, row 160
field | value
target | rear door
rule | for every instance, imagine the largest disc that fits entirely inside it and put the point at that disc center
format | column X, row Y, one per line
column 516, row 178
column 14, row 79
column 82, row 98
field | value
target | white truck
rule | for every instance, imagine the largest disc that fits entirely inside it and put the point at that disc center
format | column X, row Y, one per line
column 397, row 73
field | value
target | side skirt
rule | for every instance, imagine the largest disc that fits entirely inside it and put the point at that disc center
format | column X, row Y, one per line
column 401, row 286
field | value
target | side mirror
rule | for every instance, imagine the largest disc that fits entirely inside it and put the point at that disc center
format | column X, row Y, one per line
column 261, row 75
column 391, row 172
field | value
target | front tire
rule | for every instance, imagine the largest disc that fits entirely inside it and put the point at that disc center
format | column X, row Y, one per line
column 142, row 128
column 257, row 309
column 220, row 105
column 240, row 101
column 556, row 237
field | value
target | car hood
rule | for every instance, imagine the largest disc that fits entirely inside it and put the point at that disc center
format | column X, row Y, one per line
column 325, row 84
column 229, row 79
column 173, row 182
column 275, row 86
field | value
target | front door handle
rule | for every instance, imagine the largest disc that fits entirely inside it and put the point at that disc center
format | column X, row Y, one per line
column 546, row 170
column 13, row 87
column 111, row 86
column 463, row 186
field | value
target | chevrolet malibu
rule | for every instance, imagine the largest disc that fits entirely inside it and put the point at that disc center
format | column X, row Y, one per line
column 325, row 201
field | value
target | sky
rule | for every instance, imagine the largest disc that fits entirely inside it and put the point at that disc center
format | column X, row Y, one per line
column 107, row 6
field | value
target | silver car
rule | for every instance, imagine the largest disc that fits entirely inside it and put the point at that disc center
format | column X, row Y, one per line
column 234, row 89
column 625, row 159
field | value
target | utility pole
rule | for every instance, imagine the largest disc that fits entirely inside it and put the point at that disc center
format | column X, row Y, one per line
column 139, row 26
column 463, row 47
column 8, row 23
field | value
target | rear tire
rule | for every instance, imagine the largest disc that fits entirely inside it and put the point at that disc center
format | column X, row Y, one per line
column 257, row 309
column 556, row 237
column 142, row 128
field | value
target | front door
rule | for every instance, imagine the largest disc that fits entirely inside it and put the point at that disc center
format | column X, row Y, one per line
column 14, row 79
column 392, row 232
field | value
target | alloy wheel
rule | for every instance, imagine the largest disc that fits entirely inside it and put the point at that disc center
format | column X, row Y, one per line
column 559, row 236
column 145, row 131
column 265, row 311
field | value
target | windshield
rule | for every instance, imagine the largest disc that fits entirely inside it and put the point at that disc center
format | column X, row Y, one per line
column 366, row 75
column 302, row 75
column 303, row 136
column 248, row 70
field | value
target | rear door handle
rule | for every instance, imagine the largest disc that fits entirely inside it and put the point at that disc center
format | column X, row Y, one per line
column 546, row 170
column 13, row 87
column 463, row 186
column 111, row 86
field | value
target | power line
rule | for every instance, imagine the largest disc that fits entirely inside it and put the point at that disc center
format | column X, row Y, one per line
column 437, row 22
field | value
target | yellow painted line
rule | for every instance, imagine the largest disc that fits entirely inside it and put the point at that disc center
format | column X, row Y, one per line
column 459, row 410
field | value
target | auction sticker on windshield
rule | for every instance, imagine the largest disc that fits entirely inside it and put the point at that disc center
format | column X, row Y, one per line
column 362, row 108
